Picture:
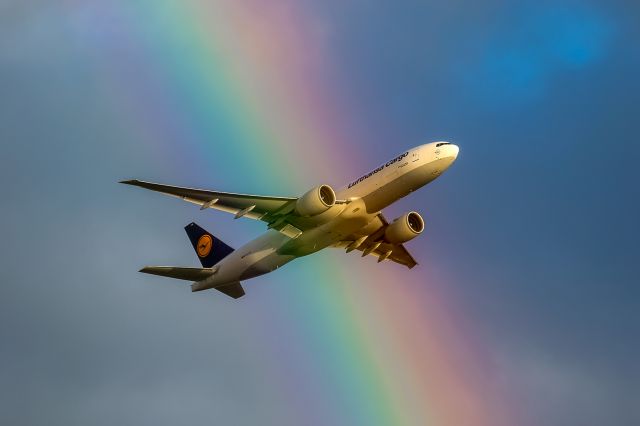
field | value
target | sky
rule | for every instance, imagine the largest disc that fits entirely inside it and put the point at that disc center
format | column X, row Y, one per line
column 523, row 309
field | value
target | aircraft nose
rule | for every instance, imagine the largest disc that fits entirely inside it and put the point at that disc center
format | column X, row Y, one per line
column 454, row 151
column 450, row 151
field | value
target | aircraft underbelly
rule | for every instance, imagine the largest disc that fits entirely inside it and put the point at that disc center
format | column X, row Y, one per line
column 353, row 218
column 265, row 265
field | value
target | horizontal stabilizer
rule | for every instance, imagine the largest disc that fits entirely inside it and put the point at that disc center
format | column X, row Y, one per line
column 189, row 274
column 234, row 290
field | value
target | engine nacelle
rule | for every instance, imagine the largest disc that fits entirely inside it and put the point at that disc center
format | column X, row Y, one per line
column 404, row 228
column 317, row 200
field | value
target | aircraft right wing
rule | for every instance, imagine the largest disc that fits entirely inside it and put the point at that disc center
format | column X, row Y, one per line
column 374, row 245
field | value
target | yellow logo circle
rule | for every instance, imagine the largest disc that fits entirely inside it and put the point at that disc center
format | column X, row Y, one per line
column 204, row 245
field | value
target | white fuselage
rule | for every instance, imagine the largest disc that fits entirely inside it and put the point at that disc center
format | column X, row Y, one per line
column 366, row 196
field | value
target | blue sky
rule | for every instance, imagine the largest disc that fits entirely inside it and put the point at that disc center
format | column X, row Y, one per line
column 535, row 226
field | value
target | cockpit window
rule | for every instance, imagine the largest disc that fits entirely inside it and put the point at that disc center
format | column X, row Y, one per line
column 442, row 143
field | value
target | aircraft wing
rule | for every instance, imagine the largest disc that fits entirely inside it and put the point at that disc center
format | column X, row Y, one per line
column 373, row 245
column 241, row 205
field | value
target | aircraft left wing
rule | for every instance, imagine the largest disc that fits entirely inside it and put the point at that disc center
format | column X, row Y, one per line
column 374, row 245
column 241, row 205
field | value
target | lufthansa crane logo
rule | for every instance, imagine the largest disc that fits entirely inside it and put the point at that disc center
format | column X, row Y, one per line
column 204, row 245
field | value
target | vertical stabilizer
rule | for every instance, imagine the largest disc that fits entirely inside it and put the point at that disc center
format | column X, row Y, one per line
column 210, row 250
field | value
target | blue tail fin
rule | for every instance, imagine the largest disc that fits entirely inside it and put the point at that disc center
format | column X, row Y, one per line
column 209, row 249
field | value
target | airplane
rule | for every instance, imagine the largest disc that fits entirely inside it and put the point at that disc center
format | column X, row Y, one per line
column 349, row 218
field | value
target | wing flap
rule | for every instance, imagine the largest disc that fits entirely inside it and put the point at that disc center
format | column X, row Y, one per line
column 399, row 253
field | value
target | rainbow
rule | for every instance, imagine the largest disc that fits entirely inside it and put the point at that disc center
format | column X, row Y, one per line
column 253, row 83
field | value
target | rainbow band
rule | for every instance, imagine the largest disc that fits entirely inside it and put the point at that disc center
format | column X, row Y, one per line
column 252, row 82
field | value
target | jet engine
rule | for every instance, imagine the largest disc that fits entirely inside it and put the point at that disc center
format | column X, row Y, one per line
column 404, row 228
column 316, row 201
